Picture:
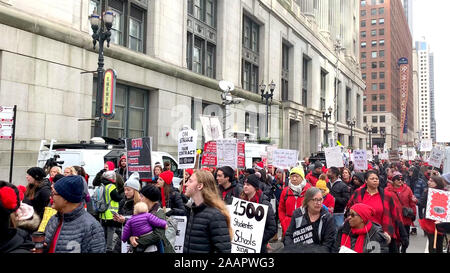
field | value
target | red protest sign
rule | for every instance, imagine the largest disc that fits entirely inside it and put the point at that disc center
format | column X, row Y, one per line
column 438, row 205
column 209, row 157
column 241, row 154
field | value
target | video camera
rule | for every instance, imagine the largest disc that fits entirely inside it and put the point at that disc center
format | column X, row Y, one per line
column 52, row 162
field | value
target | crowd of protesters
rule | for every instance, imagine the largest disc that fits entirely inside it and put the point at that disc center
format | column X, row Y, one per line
column 317, row 209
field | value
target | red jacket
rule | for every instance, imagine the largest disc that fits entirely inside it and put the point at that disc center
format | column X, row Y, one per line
column 286, row 208
column 311, row 178
column 392, row 213
column 407, row 200
column 328, row 201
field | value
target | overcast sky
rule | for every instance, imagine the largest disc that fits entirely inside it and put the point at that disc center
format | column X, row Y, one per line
column 431, row 20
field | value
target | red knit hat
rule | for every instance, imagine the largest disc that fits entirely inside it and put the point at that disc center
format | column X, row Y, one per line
column 190, row 171
column 364, row 211
column 111, row 165
column 260, row 165
column 167, row 176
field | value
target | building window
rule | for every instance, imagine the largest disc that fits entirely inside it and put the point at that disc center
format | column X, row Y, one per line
column 128, row 27
column 252, row 123
column 201, row 45
column 373, row 32
column 381, row 21
column 381, row 64
column 363, row 12
column 382, row 107
column 374, row 97
column 373, row 12
column 381, row 42
column 131, row 118
column 382, row 97
column 305, row 77
column 364, row 119
column 374, row 64
column 381, row 53
column 382, row 118
column 374, row 43
column 363, row 44
column 363, row 65
column 364, row 76
column 363, row 34
column 363, row 3
column 374, row 119
column 285, row 72
column 382, row 86
column 250, row 61
column 374, row 75
column 323, row 89
column 363, row 23
column 374, row 86
column 381, row 31
column 374, row 22
column 363, row 55
column 374, row 108
column 374, row 54
column 381, row 11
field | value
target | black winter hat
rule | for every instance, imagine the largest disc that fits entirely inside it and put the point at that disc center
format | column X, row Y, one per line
column 318, row 164
column 253, row 180
column 151, row 192
column 57, row 177
column 37, row 173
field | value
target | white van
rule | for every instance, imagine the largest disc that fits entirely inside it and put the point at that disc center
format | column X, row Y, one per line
column 92, row 157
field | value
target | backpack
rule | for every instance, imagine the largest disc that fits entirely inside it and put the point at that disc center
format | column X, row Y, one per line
column 99, row 199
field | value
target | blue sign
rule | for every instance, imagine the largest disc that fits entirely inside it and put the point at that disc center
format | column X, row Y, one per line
column 402, row 61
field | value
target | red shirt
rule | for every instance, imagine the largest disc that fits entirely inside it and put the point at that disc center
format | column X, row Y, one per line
column 55, row 238
column 377, row 204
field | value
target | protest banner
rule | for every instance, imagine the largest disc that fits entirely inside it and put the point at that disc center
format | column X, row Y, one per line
column 181, row 231
column 438, row 205
column 212, row 128
column 209, row 156
column 426, row 145
column 8, row 116
column 369, row 155
column 436, row 157
column 360, row 160
column 187, row 147
column 227, row 152
column 383, row 156
column 241, row 154
column 284, row 158
column 333, row 157
column 248, row 221
column 139, row 151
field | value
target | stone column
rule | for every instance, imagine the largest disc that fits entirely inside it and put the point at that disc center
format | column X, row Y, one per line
column 323, row 17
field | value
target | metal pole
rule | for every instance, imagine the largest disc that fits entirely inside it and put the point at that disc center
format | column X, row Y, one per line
column 12, row 144
column 267, row 116
column 98, row 101
column 326, row 130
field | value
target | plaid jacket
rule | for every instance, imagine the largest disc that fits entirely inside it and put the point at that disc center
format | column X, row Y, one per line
column 392, row 213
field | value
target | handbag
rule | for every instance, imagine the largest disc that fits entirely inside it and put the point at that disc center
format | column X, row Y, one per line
column 407, row 211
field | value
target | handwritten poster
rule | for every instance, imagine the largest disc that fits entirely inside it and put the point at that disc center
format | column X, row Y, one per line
column 248, row 221
column 227, row 152
column 333, row 156
column 360, row 160
column 284, row 158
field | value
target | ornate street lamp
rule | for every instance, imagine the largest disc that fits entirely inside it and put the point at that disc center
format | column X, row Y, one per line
column 326, row 116
column 267, row 95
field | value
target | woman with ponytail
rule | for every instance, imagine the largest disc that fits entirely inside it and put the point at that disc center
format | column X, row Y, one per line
column 208, row 228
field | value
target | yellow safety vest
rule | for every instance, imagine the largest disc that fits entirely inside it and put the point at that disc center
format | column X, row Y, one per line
column 113, row 205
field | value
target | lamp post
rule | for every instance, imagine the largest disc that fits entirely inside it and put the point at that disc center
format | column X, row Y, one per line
column 351, row 123
column 267, row 95
column 368, row 129
column 383, row 135
column 326, row 116
column 338, row 48
column 101, row 27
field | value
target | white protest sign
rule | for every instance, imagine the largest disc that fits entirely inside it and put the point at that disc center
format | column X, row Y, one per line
column 333, row 156
column 360, row 161
column 6, row 122
column 438, row 205
column 383, row 156
column 345, row 249
column 375, row 149
column 284, row 158
column 248, row 221
column 426, row 145
column 270, row 150
column 369, row 155
column 187, row 147
column 436, row 157
column 181, row 231
column 212, row 128
column 6, row 131
column 227, row 153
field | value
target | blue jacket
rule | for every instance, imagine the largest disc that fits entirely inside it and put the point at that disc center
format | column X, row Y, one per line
column 420, row 187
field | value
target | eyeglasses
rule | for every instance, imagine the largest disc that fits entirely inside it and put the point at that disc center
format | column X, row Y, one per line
column 353, row 214
column 317, row 200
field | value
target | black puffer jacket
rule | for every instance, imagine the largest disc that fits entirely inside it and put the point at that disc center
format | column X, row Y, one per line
column 341, row 193
column 375, row 235
column 41, row 197
column 16, row 241
column 233, row 191
column 206, row 231
column 176, row 204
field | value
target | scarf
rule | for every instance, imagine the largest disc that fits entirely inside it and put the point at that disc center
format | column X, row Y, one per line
column 359, row 245
column 297, row 189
